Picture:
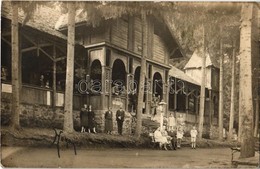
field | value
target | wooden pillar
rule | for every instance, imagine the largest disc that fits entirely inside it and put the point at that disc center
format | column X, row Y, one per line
column 54, row 78
column 148, row 90
column 187, row 104
column 110, row 88
column 151, row 91
column 103, row 82
column 210, row 107
column 175, row 96
column 103, row 88
column 165, row 92
column 167, row 98
column 146, row 96
column 127, row 89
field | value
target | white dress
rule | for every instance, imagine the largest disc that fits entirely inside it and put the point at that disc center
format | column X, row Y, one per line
column 172, row 122
column 158, row 137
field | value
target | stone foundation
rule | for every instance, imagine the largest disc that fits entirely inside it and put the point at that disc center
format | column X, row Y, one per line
column 100, row 120
column 43, row 116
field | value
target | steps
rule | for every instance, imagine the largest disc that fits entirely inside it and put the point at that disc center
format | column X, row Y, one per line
column 148, row 123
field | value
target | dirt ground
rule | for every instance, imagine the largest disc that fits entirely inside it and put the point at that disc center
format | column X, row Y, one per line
column 115, row 158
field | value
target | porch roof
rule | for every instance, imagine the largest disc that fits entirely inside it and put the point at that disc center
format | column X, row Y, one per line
column 44, row 18
column 175, row 72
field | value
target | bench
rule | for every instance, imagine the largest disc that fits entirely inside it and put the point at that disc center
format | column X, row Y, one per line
column 59, row 137
column 155, row 143
column 235, row 163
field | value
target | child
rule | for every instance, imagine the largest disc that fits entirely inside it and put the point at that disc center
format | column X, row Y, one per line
column 193, row 135
column 180, row 133
column 171, row 122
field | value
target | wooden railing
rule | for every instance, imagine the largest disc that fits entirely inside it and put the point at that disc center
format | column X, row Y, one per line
column 42, row 96
column 36, row 95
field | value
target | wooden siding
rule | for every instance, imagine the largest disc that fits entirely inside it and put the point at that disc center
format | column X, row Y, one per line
column 35, row 95
column 97, row 54
column 150, row 39
column 195, row 73
column 127, row 34
column 158, row 49
column 137, row 35
column 119, row 33
column 92, row 37
column 97, row 37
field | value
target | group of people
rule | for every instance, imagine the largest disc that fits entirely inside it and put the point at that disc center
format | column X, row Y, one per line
column 87, row 118
column 88, row 123
column 173, row 134
column 164, row 138
column 120, row 117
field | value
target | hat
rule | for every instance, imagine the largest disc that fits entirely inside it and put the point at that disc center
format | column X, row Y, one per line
column 162, row 103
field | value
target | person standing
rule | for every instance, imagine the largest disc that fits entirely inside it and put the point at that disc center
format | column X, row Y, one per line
column 153, row 106
column 193, row 135
column 181, row 121
column 109, row 121
column 84, row 118
column 42, row 80
column 120, row 117
column 171, row 122
column 180, row 133
column 91, row 120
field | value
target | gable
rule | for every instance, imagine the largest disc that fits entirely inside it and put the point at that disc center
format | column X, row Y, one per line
column 196, row 60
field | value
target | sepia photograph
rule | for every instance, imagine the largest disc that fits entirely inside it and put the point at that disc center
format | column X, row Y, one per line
column 130, row 84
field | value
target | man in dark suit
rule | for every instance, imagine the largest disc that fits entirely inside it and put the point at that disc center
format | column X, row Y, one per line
column 120, row 116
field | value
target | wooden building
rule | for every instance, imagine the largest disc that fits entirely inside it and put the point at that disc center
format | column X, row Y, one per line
column 42, row 54
column 114, row 51
column 106, row 57
column 193, row 70
column 107, row 68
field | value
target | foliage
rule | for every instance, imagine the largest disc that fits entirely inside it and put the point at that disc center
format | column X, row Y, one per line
column 30, row 7
column 212, row 16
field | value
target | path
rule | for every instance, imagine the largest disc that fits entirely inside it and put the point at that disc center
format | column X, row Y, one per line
column 91, row 158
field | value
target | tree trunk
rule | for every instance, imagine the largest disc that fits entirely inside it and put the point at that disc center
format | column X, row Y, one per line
column 202, row 89
column 245, row 93
column 221, row 105
column 14, row 121
column 142, row 79
column 232, row 101
column 68, row 107
column 256, row 129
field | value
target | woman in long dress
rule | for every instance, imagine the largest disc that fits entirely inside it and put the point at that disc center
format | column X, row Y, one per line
column 91, row 120
column 84, row 118
column 158, row 137
column 109, row 121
